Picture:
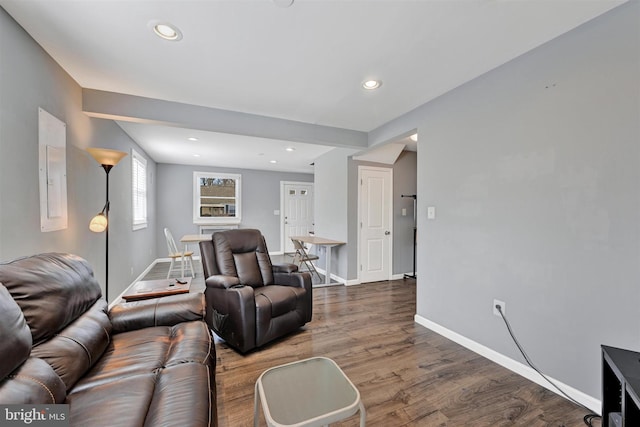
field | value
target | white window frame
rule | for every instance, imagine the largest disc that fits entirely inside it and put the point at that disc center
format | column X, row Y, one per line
column 200, row 220
column 139, row 190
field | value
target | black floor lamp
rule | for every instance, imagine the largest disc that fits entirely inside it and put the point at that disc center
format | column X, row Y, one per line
column 107, row 159
column 415, row 230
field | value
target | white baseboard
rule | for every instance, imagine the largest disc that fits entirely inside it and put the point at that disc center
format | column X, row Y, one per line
column 590, row 402
column 401, row 276
column 333, row 276
column 195, row 258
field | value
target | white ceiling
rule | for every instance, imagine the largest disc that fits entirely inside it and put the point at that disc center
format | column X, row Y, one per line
column 303, row 63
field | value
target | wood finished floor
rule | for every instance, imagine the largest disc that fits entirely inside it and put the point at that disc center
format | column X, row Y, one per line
column 407, row 375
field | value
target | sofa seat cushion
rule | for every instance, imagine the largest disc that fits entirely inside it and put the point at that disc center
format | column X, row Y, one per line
column 276, row 300
column 178, row 395
column 145, row 351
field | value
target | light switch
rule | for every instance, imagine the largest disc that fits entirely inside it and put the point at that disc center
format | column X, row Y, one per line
column 276, row 212
column 431, row 212
column 404, row 211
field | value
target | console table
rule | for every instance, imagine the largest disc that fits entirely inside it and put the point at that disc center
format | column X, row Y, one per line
column 327, row 243
column 620, row 386
column 145, row 289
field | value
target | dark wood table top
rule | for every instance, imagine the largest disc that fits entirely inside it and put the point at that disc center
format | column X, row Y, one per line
column 145, row 289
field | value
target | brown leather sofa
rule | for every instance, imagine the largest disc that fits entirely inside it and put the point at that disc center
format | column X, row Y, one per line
column 251, row 302
column 148, row 363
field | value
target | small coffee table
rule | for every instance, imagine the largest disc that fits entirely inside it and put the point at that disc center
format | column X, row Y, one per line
column 145, row 289
column 310, row 392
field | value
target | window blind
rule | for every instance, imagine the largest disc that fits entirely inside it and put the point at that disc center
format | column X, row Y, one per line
column 139, row 190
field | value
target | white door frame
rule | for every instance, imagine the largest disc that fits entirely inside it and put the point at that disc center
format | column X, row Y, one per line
column 360, row 212
column 283, row 184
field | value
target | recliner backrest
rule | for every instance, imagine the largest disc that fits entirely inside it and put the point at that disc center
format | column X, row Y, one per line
column 243, row 253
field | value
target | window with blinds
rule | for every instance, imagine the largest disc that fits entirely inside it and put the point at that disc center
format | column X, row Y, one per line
column 139, row 189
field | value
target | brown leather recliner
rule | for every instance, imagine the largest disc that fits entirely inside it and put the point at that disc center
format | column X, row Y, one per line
column 251, row 302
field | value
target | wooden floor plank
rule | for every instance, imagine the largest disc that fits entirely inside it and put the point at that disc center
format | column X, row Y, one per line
column 407, row 375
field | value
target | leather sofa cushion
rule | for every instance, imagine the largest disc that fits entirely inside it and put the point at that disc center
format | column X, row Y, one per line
column 41, row 284
column 34, row 382
column 154, row 376
column 133, row 315
column 77, row 347
column 178, row 395
column 15, row 342
column 276, row 300
column 147, row 350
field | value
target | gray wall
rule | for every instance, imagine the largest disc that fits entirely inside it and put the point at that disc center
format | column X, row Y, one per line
column 260, row 198
column 29, row 79
column 333, row 205
column 534, row 169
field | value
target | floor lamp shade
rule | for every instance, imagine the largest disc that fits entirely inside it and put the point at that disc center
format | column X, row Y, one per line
column 107, row 158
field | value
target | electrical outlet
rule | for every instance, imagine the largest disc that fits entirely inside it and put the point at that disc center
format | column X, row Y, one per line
column 502, row 305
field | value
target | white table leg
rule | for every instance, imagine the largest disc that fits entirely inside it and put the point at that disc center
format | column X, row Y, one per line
column 185, row 248
column 255, row 406
column 327, row 273
column 363, row 415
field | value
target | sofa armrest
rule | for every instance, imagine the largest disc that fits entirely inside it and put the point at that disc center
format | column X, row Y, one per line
column 222, row 282
column 165, row 311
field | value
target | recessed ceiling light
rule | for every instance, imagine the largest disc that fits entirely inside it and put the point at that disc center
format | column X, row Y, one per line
column 196, row 155
column 191, row 138
column 167, row 31
column 371, row 84
column 290, row 149
column 273, row 161
column 414, row 137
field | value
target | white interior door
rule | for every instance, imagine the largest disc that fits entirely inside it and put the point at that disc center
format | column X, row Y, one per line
column 297, row 211
column 375, row 211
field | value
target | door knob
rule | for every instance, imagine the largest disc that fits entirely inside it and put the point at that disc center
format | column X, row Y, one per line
column 386, row 233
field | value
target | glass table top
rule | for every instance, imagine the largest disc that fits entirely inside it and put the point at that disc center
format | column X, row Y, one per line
column 307, row 389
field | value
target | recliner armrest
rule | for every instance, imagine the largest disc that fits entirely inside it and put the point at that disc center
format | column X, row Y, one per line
column 222, row 282
column 284, row 268
column 165, row 311
column 298, row 279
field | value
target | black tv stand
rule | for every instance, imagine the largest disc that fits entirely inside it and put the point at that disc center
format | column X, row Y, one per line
column 620, row 386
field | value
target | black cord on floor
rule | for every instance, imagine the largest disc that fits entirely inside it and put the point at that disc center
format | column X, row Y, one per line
column 587, row 418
